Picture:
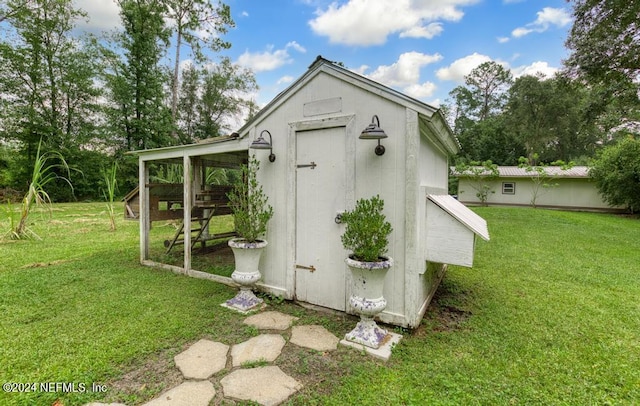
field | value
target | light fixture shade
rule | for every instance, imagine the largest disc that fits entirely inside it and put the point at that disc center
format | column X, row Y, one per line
column 373, row 130
column 260, row 143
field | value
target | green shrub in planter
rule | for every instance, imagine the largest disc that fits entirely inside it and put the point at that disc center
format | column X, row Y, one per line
column 251, row 213
column 367, row 231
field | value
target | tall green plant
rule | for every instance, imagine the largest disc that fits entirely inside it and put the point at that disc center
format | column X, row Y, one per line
column 110, row 180
column 616, row 172
column 251, row 213
column 367, row 230
column 539, row 175
column 42, row 175
column 480, row 176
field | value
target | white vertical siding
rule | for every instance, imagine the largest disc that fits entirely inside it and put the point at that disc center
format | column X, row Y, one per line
column 570, row 193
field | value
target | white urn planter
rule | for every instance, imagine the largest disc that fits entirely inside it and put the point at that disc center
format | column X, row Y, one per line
column 367, row 300
column 246, row 274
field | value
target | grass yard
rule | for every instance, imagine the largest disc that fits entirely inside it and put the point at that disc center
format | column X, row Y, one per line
column 550, row 314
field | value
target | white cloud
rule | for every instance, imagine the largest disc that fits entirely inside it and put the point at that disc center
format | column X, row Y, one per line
column 285, row 79
column 547, row 17
column 370, row 22
column 428, row 32
column 296, row 46
column 361, row 69
column 521, row 32
column 461, row 67
column 535, row 68
column 420, row 91
column 264, row 61
column 270, row 59
column 503, row 40
column 103, row 15
column 244, row 14
column 404, row 72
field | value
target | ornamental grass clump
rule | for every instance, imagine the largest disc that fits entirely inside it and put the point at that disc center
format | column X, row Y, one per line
column 367, row 231
column 110, row 179
column 43, row 174
column 251, row 213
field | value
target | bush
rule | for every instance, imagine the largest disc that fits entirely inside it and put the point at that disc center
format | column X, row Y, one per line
column 367, row 230
column 251, row 213
column 616, row 172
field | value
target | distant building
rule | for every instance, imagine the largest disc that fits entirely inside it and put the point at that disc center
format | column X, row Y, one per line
column 568, row 189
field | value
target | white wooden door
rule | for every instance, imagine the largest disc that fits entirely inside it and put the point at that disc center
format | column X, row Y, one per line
column 320, row 195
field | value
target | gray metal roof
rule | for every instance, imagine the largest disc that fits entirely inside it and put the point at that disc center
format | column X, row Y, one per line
column 462, row 213
column 518, row 172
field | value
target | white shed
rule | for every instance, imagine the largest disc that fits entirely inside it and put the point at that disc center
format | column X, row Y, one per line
column 321, row 168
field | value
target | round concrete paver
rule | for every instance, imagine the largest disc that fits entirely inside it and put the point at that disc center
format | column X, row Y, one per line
column 190, row 393
column 202, row 359
column 270, row 321
column 315, row 337
column 264, row 385
column 265, row 347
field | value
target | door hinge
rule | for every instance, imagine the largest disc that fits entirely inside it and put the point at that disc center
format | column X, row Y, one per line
column 308, row 268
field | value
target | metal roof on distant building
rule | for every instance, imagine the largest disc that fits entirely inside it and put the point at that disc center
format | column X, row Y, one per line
column 518, row 172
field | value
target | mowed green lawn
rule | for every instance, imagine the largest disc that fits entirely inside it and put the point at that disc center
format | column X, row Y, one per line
column 550, row 314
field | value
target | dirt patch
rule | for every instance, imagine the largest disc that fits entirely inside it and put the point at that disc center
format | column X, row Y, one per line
column 155, row 376
column 44, row 264
column 449, row 318
column 446, row 311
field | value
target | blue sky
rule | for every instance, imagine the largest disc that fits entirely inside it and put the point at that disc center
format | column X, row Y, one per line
column 420, row 47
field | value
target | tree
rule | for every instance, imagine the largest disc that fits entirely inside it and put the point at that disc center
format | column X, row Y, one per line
column 460, row 108
column 605, row 48
column 604, row 40
column 490, row 138
column 476, row 115
column 211, row 96
column 616, row 172
column 225, row 90
column 529, row 113
column 188, row 102
column 551, row 118
column 554, row 117
column 195, row 22
column 48, row 91
column 488, row 84
column 47, row 77
column 10, row 10
column 136, row 80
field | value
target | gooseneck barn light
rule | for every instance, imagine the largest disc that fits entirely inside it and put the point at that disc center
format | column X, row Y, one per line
column 374, row 132
column 261, row 143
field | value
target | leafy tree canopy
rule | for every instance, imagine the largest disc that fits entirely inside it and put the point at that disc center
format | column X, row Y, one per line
column 617, row 173
column 604, row 39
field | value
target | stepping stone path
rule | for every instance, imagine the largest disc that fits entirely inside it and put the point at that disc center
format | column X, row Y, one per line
column 265, row 385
